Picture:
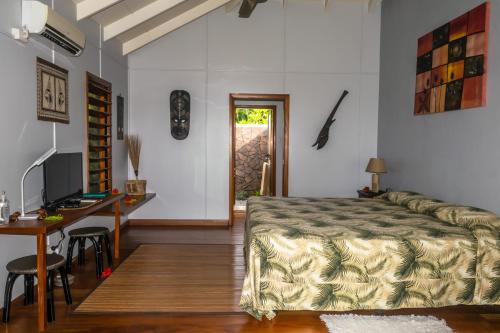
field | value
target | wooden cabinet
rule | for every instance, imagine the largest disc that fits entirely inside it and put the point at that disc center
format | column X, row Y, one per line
column 99, row 139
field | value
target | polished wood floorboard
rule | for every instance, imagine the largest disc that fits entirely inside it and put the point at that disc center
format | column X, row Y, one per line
column 23, row 319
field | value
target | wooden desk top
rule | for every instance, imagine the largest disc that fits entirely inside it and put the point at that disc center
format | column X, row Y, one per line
column 126, row 209
column 35, row 227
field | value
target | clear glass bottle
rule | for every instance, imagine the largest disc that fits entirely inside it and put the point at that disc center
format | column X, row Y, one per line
column 4, row 209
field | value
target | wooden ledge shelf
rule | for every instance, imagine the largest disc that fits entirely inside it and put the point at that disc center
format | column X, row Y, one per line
column 99, row 136
column 124, row 208
column 99, row 182
column 99, row 170
column 97, row 100
column 97, row 159
column 98, row 113
column 92, row 124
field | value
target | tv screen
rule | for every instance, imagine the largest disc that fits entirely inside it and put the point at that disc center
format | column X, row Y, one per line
column 63, row 177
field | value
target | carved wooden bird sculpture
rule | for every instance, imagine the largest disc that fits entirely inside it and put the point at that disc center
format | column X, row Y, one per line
column 324, row 133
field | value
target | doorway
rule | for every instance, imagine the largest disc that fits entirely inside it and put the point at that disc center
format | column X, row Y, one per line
column 255, row 152
column 258, row 148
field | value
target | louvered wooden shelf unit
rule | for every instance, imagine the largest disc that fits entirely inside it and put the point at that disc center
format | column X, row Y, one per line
column 99, row 137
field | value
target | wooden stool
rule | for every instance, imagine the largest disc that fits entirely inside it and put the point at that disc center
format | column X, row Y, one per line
column 27, row 266
column 80, row 235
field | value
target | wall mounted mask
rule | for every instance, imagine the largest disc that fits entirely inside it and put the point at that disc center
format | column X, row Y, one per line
column 179, row 114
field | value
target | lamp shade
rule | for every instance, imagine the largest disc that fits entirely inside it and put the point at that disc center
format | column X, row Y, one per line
column 376, row 165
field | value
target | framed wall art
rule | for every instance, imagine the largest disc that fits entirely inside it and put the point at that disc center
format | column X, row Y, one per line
column 452, row 64
column 52, row 92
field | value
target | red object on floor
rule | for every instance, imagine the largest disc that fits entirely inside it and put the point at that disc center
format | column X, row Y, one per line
column 107, row 272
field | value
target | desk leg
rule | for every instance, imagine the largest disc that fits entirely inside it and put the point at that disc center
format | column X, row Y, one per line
column 117, row 229
column 41, row 251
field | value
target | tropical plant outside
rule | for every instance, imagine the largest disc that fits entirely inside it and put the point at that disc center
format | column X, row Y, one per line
column 241, row 195
column 246, row 116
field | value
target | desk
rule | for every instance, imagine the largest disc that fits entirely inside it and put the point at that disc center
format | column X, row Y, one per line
column 126, row 209
column 41, row 229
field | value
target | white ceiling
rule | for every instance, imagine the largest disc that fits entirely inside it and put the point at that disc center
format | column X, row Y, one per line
column 136, row 23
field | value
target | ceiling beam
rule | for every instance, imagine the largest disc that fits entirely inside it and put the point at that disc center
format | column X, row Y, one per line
column 88, row 8
column 139, row 16
column 171, row 25
column 231, row 5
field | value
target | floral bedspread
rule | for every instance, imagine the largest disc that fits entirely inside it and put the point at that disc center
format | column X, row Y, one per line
column 401, row 250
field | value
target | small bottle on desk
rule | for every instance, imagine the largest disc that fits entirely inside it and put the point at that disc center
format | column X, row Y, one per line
column 4, row 209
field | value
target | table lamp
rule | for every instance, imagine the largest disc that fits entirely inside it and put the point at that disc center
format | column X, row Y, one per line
column 37, row 163
column 376, row 166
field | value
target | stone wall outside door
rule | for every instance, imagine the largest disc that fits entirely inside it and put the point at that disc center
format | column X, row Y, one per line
column 251, row 149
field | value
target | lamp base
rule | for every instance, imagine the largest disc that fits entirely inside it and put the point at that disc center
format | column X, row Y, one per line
column 27, row 217
column 375, row 183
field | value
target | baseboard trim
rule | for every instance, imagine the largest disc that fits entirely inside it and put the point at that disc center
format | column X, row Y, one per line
column 176, row 223
column 124, row 225
column 239, row 214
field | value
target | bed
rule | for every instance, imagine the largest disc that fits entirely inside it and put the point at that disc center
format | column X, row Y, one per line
column 401, row 250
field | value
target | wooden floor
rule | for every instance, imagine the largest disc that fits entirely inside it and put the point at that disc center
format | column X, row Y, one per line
column 23, row 319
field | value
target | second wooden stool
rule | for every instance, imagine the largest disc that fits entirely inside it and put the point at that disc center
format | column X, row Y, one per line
column 97, row 235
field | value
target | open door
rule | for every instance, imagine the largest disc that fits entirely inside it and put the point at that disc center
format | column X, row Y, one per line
column 253, row 149
column 254, row 159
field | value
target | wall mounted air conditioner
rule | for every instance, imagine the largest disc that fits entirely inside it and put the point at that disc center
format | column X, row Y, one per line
column 41, row 20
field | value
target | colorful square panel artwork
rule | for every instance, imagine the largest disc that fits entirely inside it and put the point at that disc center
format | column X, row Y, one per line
column 451, row 64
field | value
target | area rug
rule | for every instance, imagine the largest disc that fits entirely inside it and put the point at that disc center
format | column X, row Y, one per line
column 172, row 278
column 384, row 324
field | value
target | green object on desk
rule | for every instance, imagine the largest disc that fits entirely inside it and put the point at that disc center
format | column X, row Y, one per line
column 94, row 195
column 54, row 218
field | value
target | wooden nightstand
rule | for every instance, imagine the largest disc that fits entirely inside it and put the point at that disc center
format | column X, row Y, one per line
column 369, row 195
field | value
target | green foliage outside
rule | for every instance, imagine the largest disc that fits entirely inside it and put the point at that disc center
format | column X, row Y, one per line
column 252, row 116
column 241, row 195
column 244, row 195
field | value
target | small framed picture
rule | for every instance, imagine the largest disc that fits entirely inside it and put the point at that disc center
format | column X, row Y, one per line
column 52, row 92
column 120, row 106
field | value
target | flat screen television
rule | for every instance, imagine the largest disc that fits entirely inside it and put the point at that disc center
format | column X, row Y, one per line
column 62, row 178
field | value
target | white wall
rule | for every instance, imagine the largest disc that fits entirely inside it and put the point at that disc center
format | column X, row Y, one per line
column 303, row 50
column 452, row 156
column 23, row 138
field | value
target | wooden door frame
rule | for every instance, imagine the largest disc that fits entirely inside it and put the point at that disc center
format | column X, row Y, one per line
column 273, row 152
column 285, row 98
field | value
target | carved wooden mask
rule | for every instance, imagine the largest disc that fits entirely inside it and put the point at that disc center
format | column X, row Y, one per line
column 179, row 114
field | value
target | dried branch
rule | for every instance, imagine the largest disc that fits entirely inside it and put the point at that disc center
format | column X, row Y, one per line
column 134, row 151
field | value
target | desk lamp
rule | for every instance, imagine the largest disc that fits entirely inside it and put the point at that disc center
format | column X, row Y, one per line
column 37, row 163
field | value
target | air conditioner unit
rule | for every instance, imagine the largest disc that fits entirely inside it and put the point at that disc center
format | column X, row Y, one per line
column 41, row 20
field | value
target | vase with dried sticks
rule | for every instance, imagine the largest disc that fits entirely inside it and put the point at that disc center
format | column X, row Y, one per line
column 137, row 186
